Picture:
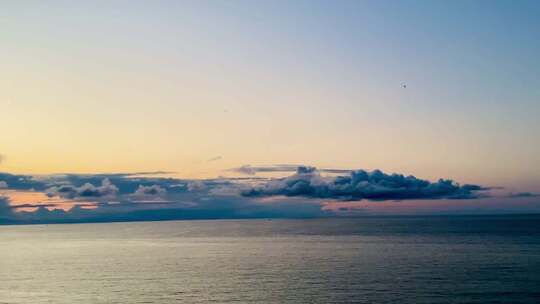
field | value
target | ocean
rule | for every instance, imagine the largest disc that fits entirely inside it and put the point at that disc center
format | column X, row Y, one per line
column 437, row 259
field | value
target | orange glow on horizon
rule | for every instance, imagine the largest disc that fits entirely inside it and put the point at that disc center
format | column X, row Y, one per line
column 37, row 199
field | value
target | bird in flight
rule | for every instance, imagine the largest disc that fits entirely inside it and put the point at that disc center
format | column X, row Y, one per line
column 403, row 85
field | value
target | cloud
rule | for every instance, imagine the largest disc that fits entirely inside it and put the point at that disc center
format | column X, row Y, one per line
column 21, row 182
column 307, row 192
column 216, row 158
column 213, row 208
column 361, row 184
column 4, row 204
column 246, row 169
column 24, row 206
column 6, row 213
column 196, row 185
column 523, row 194
column 150, row 190
column 88, row 190
column 251, row 170
column 3, row 185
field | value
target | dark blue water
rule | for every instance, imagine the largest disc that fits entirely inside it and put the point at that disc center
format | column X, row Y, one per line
column 367, row 260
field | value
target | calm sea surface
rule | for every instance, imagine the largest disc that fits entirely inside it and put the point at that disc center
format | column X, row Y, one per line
column 367, row 260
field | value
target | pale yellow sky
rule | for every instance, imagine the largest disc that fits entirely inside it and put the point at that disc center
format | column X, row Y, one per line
column 86, row 90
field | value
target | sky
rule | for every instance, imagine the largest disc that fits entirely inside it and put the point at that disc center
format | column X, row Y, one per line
column 201, row 89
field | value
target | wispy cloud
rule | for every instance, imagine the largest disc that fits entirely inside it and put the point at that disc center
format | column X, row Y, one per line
column 523, row 194
column 252, row 170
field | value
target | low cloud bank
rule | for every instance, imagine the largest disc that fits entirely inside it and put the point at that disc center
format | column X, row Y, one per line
column 304, row 193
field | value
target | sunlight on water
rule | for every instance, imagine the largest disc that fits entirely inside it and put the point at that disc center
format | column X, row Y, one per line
column 384, row 260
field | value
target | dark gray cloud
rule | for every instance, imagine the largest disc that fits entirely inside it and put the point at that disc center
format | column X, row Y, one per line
column 150, row 190
column 87, row 190
column 361, row 184
column 6, row 213
column 4, row 205
column 523, row 194
column 25, row 206
column 21, row 182
column 126, row 183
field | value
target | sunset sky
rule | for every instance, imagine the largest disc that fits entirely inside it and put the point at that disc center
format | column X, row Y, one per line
column 426, row 88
